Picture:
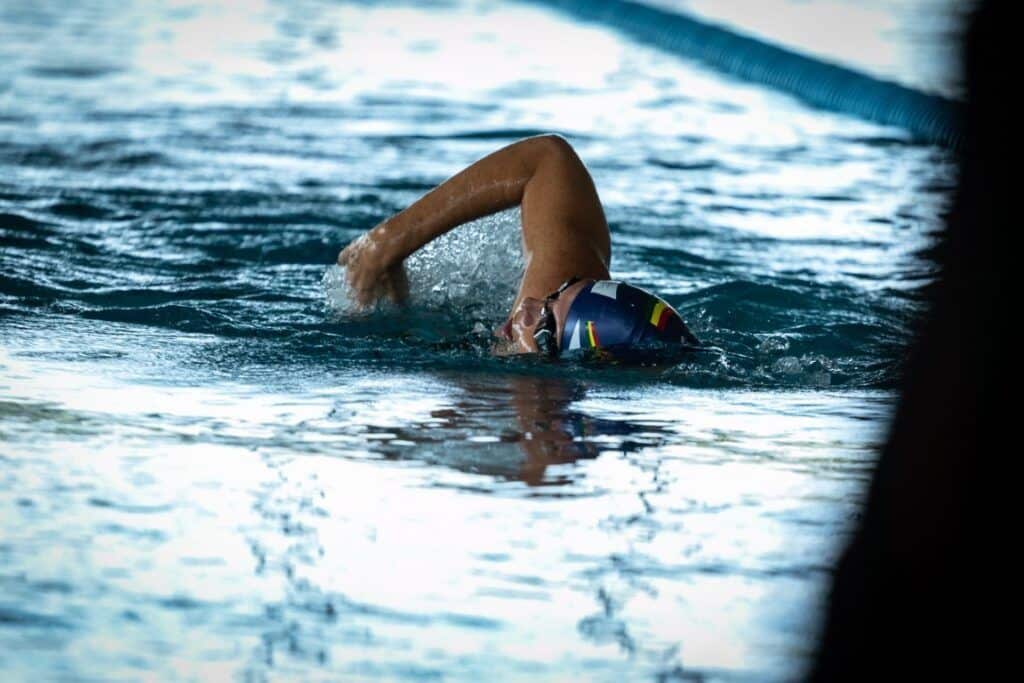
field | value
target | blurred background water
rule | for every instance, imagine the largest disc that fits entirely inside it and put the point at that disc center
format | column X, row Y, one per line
column 210, row 469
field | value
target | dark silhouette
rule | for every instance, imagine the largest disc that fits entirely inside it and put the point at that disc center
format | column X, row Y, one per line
column 911, row 589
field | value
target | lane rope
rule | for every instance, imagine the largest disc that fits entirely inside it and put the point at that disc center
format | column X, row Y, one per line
column 929, row 118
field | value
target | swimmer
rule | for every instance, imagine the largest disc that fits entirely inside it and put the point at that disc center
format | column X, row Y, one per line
column 566, row 299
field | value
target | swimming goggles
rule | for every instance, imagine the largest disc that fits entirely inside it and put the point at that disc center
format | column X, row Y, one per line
column 546, row 332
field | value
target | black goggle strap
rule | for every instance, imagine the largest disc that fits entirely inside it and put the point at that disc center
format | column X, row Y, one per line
column 544, row 334
column 565, row 285
column 545, row 339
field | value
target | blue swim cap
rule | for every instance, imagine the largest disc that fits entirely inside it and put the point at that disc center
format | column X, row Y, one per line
column 613, row 316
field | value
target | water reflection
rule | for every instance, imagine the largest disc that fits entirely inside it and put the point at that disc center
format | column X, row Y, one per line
column 336, row 527
column 551, row 432
column 198, row 460
column 381, row 525
column 516, row 428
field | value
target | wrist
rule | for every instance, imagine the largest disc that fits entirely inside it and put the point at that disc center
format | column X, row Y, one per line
column 396, row 239
column 381, row 244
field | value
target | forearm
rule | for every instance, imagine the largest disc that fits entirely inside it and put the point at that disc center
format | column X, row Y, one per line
column 562, row 219
column 491, row 184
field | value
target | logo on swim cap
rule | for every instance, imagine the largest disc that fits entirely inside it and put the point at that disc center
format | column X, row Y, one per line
column 611, row 315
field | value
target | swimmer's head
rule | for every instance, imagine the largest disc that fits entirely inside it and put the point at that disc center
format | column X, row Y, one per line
column 519, row 333
column 610, row 317
column 602, row 317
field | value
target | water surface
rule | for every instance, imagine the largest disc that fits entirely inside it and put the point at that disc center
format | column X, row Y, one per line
column 209, row 468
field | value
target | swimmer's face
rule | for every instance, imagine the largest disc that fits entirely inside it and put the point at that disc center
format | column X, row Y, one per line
column 516, row 335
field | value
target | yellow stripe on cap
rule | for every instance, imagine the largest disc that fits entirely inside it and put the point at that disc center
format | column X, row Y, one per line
column 592, row 334
column 657, row 313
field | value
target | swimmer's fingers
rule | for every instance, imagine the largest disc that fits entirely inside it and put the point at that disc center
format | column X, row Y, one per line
column 357, row 251
column 363, row 290
column 349, row 253
column 362, row 276
column 396, row 284
column 365, row 294
column 392, row 285
column 371, row 274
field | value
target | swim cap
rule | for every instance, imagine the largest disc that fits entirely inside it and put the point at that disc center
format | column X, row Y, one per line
column 614, row 316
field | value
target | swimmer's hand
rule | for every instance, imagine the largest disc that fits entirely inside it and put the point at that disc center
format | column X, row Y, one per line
column 371, row 275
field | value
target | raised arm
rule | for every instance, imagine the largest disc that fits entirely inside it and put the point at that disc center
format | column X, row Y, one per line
column 564, row 228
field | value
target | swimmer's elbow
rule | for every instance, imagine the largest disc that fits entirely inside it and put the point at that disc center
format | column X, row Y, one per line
column 554, row 145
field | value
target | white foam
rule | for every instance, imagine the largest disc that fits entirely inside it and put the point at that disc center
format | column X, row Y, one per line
column 475, row 267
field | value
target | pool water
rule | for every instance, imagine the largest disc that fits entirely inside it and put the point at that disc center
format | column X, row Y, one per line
column 210, row 467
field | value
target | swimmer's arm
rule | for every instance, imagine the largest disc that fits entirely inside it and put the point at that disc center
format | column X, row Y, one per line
column 563, row 222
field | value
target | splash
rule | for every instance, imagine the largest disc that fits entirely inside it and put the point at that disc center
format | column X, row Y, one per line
column 474, row 268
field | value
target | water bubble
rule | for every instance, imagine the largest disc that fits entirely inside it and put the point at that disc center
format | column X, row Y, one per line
column 774, row 344
column 337, row 293
column 787, row 365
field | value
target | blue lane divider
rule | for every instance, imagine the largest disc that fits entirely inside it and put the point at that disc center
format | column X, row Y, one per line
column 930, row 118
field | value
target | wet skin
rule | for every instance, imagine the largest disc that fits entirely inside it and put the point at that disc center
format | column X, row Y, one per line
column 564, row 231
column 516, row 334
